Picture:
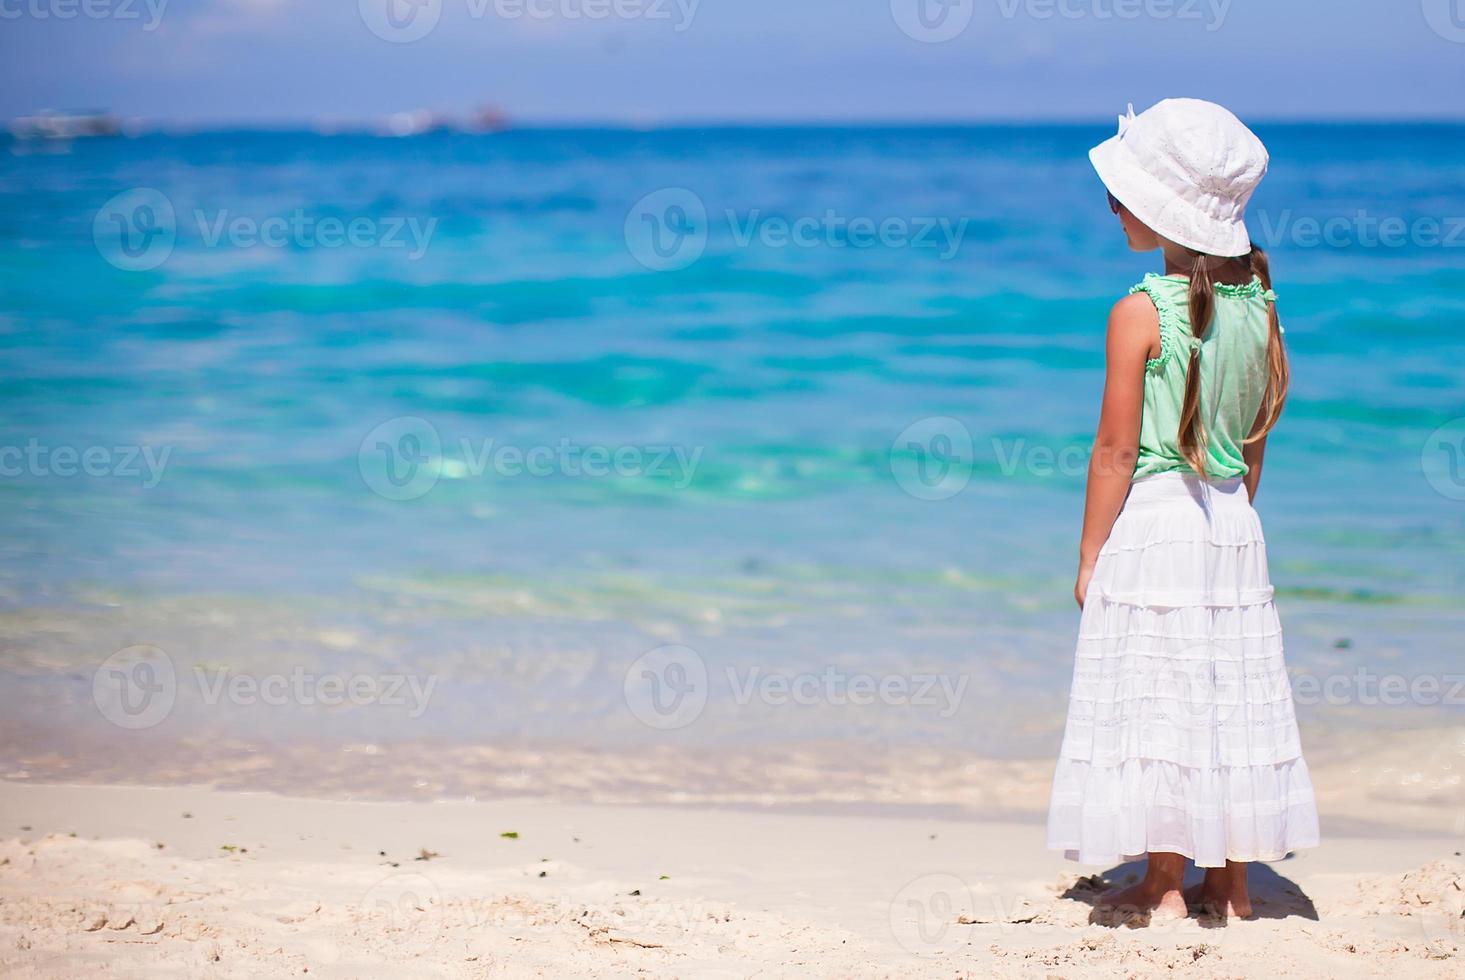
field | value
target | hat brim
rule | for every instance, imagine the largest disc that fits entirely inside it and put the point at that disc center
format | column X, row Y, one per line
column 1161, row 209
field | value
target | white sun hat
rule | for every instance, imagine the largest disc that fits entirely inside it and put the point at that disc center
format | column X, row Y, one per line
column 1187, row 169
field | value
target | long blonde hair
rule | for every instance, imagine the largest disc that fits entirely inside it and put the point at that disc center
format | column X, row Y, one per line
column 1202, row 310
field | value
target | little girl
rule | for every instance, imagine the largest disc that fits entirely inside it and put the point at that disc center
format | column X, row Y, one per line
column 1181, row 739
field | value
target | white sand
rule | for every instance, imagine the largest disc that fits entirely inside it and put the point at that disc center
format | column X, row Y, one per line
column 306, row 891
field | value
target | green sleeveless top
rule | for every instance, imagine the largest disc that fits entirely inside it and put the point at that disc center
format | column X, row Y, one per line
column 1233, row 379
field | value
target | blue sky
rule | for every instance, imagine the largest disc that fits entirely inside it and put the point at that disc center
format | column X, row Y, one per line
column 263, row 61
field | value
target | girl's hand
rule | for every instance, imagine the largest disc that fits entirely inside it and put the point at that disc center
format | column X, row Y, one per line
column 1081, row 587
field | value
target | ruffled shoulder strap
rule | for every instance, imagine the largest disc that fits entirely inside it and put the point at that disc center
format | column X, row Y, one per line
column 1170, row 304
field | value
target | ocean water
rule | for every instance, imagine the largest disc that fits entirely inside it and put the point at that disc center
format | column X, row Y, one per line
column 681, row 439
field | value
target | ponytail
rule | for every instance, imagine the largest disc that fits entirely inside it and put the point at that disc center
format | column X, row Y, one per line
column 1192, row 436
column 1279, row 375
column 1202, row 309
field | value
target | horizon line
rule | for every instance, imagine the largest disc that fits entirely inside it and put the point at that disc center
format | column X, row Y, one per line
column 344, row 125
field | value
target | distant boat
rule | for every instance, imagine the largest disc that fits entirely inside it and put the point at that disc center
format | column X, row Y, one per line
column 49, row 124
column 415, row 123
column 486, row 119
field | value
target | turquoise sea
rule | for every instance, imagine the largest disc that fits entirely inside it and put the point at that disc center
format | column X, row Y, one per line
column 795, row 411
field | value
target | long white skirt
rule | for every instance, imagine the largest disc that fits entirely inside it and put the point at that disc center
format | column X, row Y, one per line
column 1181, row 735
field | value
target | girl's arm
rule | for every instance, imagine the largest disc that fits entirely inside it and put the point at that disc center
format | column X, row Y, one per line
column 1253, row 453
column 1134, row 335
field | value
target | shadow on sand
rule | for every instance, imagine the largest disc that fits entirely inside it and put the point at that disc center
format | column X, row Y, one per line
column 1273, row 896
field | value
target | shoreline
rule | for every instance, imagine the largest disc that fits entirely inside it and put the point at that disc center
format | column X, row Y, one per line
column 191, row 879
column 1410, row 783
column 1334, row 825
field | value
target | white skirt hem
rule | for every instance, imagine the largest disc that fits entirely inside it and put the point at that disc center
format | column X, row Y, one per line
column 1181, row 734
column 1071, row 852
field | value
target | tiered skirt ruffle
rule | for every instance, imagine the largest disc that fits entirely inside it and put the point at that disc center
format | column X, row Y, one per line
column 1181, row 734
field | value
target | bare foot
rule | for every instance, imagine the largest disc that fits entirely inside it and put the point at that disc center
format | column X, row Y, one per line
column 1145, row 898
column 1222, row 905
column 1222, row 894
